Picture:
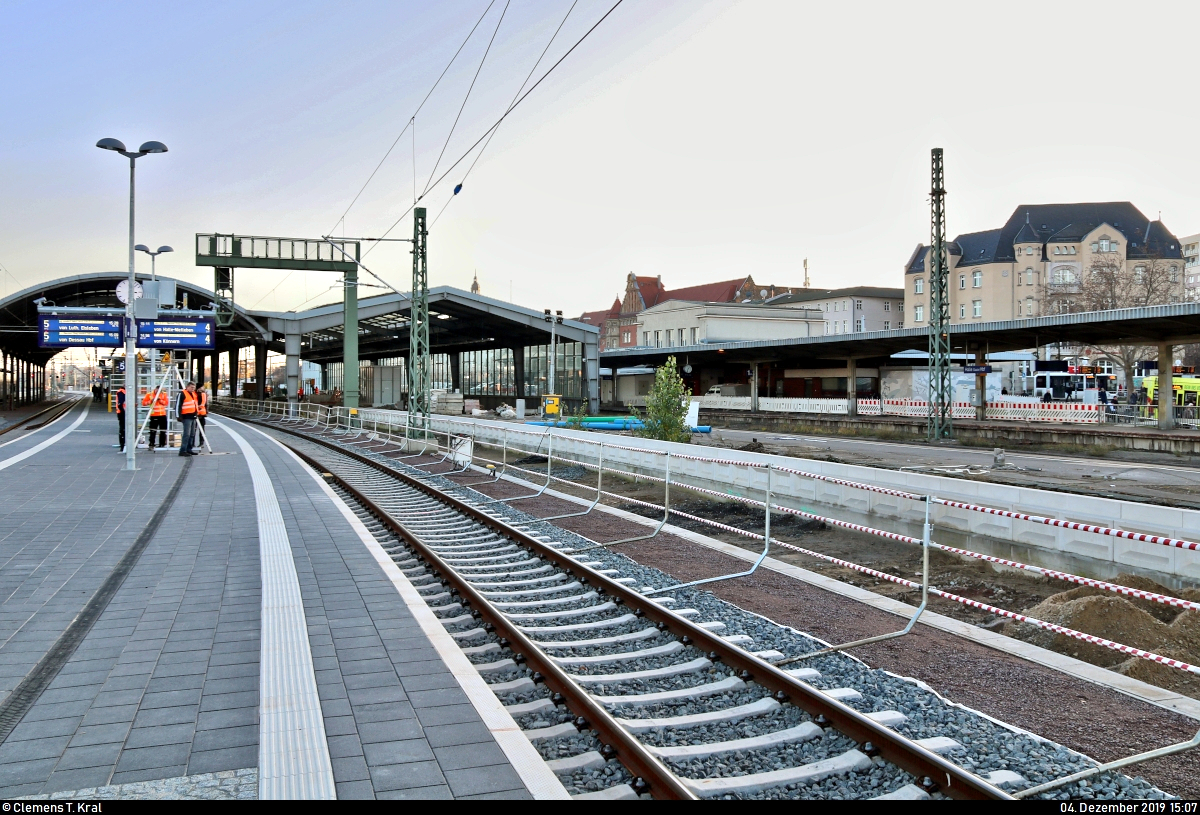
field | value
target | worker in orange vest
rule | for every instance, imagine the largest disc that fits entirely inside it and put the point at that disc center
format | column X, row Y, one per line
column 185, row 410
column 158, row 402
column 202, row 411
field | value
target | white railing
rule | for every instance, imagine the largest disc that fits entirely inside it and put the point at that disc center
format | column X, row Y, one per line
column 1017, row 409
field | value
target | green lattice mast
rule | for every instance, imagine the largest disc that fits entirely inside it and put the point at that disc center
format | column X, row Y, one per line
column 420, row 368
column 941, row 391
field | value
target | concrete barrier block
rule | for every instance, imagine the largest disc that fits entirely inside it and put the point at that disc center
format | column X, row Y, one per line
column 1081, row 543
column 1187, row 563
column 1144, row 555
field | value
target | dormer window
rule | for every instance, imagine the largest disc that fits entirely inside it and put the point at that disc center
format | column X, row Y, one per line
column 1029, row 250
column 1058, row 250
column 1104, row 243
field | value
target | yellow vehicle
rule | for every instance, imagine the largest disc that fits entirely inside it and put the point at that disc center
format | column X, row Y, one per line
column 1186, row 389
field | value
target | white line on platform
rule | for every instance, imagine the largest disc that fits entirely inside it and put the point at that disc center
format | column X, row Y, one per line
column 538, row 778
column 37, row 448
column 293, row 753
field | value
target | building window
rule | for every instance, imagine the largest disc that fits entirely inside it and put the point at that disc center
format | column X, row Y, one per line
column 645, row 338
column 1139, row 274
column 1029, row 277
column 962, row 281
column 1029, row 250
column 826, row 328
column 858, row 324
column 693, row 336
column 976, row 308
column 658, row 339
column 887, row 325
column 1174, row 274
column 887, row 305
column 918, row 314
column 1028, row 306
column 845, row 326
column 1072, row 249
column 919, row 286
column 670, row 337
column 1062, row 276
column 976, row 279
column 858, row 303
column 962, row 311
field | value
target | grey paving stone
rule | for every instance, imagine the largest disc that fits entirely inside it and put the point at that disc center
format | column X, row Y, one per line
column 143, row 758
column 100, row 734
column 161, row 684
column 171, row 698
column 228, row 701
column 355, row 791
column 440, row 792
column 374, row 696
column 61, row 710
column 406, row 776
column 383, row 679
column 447, row 735
column 344, row 746
column 33, row 749
column 231, row 717
column 504, row 795
column 397, row 752
column 96, row 755
column 467, row 756
column 86, row 778
column 225, row 737
column 350, row 768
column 481, row 780
column 178, row 715
column 45, row 729
column 148, row 774
column 430, row 682
column 239, row 684
column 447, row 714
column 231, row 758
column 109, row 715
column 340, row 726
column 437, row 697
column 394, row 730
column 157, row 735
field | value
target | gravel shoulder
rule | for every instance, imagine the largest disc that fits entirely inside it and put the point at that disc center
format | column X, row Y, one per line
column 1096, row 721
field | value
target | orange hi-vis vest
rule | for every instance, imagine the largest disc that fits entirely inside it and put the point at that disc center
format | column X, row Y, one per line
column 160, row 403
column 189, row 404
column 202, row 408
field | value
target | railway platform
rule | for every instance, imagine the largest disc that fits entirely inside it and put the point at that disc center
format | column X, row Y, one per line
column 216, row 626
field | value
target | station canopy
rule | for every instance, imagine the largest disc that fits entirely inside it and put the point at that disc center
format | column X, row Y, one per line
column 19, row 311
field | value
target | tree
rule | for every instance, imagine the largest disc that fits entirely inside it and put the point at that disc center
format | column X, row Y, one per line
column 1112, row 282
column 666, row 407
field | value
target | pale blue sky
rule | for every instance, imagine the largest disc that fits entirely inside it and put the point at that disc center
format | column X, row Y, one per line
column 696, row 140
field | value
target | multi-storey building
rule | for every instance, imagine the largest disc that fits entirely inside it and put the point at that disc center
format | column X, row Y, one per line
column 1191, row 266
column 619, row 323
column 1041, row 260
column 852, row 310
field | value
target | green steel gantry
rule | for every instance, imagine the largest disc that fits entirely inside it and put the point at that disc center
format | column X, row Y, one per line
column 941, row 395
column 420, row 367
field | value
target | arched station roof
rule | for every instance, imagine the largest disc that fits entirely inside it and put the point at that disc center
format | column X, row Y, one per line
column 19, row 313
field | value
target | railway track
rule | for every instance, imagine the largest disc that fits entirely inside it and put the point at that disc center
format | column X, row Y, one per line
column 42, row 417
column 626, row 695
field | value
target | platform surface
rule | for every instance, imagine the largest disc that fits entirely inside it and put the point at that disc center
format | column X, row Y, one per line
column 163, row 694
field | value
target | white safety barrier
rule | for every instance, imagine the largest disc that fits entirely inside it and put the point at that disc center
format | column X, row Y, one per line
column 382, row 423
column 1015, row 409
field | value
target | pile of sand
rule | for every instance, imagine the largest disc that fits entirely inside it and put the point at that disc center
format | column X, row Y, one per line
column 1161, row 629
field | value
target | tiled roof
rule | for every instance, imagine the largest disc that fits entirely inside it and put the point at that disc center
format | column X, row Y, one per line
column 722, row 292
column 808, row 295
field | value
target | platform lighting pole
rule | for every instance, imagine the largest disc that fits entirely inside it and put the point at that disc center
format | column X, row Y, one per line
column 555, row 321
column 141, row 247
column 130, row 325
column 941, row 396
column 419, row 364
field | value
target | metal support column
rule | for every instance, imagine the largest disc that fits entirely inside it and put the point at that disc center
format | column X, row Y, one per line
column 233, row 372
column 260, row 368
column 981, row 385
column 754, row 387
column 941, row 392
column 852, row 387
column 291, row 347
column 350, row 337
column 591, row 376
column 455, row 371
column 1166, row 386
column 518, row 357
column 418, row 347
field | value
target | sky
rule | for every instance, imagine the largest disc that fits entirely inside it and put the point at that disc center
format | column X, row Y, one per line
column 699, row 141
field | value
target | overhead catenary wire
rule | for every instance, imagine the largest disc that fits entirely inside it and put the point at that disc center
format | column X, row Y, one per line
column 503, row 116
column 528, row 76
column 413, row 118
column 470, row 88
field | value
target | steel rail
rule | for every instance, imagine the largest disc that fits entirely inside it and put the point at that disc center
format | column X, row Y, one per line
column 952, row 780
column 59, row 406
column 661, row 782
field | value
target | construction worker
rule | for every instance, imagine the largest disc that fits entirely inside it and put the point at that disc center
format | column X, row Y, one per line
column 202, row 414
column 121, row 417
column 185, row 410
column 159, row 403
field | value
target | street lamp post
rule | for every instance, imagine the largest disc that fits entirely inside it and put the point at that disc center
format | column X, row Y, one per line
column 141, row 247
column 131, row 326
